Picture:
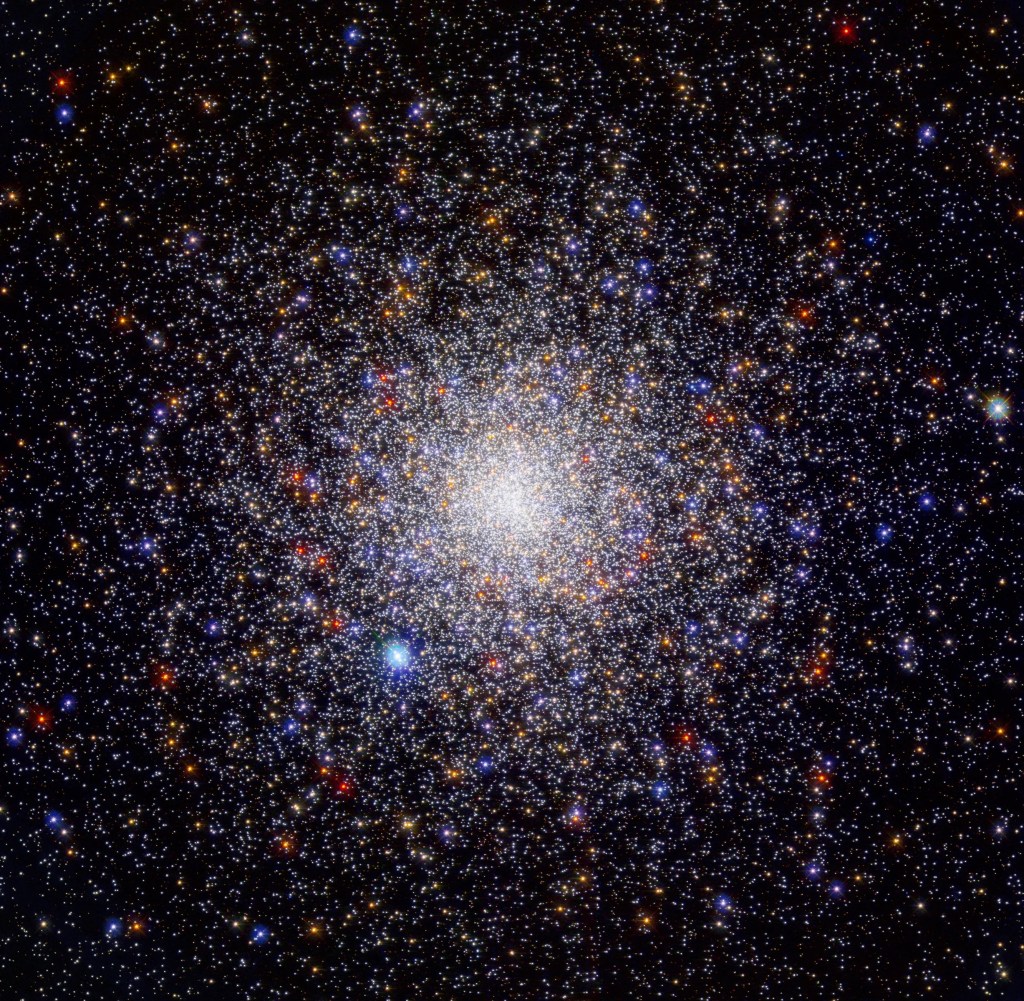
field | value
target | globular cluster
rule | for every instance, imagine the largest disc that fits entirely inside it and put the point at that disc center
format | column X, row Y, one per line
column 511, row 501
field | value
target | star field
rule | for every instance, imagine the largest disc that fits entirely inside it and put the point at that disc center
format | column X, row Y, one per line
column 511, row 501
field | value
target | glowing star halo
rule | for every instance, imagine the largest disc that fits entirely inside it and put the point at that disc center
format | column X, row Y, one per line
column 506, row 506
column 523, row 515
column 521, row 507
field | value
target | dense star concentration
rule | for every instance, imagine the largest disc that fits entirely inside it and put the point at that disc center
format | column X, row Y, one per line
column 511, row 502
